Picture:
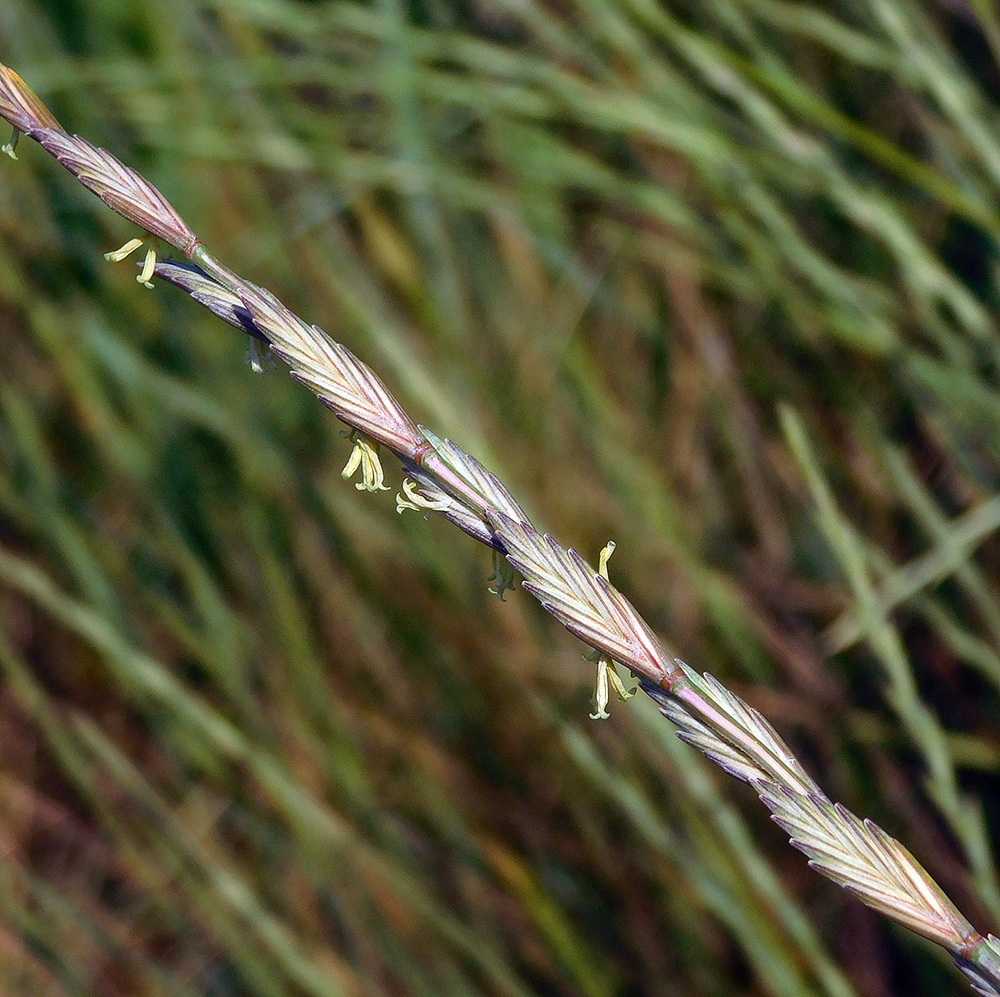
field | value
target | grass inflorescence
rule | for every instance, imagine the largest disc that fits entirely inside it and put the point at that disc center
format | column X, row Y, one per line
column 663, row 272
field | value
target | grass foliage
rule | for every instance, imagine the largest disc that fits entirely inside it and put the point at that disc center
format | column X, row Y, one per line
column 717, row 280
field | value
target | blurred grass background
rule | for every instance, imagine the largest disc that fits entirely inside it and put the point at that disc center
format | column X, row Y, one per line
column 715, row 279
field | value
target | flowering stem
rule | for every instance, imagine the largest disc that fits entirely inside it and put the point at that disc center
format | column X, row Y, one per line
column 854, row 853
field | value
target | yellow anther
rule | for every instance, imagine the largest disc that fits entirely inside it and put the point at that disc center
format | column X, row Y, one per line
column 607, row 670
column 602, row 567
column 148, row 265
column 365, row 456
column 11, row 144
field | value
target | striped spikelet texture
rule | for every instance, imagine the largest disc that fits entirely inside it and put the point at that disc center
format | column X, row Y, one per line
column 852, row 852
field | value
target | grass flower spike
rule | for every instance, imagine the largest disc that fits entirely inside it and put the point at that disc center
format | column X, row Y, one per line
column 21, row 106
column 440, row 477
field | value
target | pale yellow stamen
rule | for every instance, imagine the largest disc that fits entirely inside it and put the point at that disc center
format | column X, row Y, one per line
column 11, row 144
column 605, row 557
column 420, row 501
column 623, row 694
column 119, row 254
column 601, row 696
column 608, row 679
column 259, row 356
column 607, row 670
column 148, row 265
column 365, row 456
